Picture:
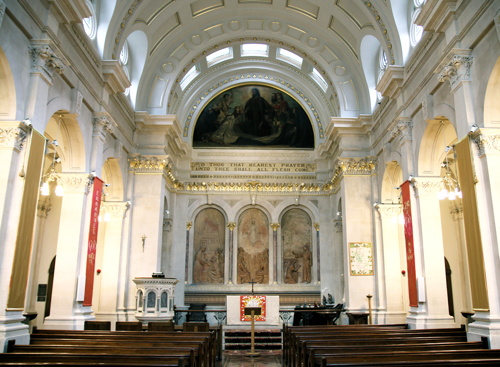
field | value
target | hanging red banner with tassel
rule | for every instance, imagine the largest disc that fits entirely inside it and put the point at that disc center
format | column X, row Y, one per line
column 91, row 252
column 410, row 248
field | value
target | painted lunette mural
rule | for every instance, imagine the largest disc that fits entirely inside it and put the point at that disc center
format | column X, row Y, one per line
column 253, row 116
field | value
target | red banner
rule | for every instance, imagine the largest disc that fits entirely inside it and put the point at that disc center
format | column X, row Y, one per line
column 410, row 248
column 94, row 225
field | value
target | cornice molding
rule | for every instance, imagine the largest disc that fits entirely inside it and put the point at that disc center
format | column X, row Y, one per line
column 391, row 82
column 71, row 11
column 116, row 81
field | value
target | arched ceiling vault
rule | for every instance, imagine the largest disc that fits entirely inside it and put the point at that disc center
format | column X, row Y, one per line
column 326, row 34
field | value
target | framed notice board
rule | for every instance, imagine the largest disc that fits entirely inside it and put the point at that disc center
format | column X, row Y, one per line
column 361, row 258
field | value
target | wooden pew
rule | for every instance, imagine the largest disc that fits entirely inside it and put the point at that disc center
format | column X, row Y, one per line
column 59, row 359
column 204, row 342
column 433, row 358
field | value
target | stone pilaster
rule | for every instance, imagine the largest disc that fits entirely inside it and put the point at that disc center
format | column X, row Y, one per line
column 429, row 256
column 71, row 253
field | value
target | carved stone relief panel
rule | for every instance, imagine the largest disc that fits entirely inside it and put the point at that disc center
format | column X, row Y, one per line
column 296, row 230
column 209, row 240
column 253, row 247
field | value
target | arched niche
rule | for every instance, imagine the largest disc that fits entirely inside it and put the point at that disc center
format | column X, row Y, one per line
column 392, row 179
column 491, row 105
column 297, row 246
column 7, row 91
column 253, row 247
column 209, row 247
column 439, row 134
column 112, row 176
column 64, row 128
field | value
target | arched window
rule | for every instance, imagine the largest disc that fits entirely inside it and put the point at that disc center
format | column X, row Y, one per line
column 124, row 62
column 416, row 31
column 90, row 23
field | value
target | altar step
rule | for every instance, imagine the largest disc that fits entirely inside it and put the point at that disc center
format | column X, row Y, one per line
column 241, row 340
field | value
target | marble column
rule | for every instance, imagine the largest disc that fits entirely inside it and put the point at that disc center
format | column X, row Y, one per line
column 111, row 249
column 67, row 312
column 432, row 311
column 275, row 227
column 231, row 226
column 393, row 280
column 12, row 148
column 486, row 156
column 189, row 225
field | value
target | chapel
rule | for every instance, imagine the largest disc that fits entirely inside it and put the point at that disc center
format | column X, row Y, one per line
column 337, row 152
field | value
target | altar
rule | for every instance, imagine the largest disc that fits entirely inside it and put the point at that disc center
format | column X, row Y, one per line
column 269, row 316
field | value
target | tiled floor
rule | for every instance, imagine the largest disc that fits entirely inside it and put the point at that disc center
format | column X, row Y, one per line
column 266, row 359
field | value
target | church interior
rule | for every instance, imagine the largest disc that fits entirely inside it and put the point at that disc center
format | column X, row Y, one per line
column 326, row 156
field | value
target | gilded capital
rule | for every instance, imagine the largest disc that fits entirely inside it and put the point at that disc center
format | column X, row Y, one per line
column 316, row 226
column 148, row 164
column 275, row 226
column 231, row 226
column 189, row 225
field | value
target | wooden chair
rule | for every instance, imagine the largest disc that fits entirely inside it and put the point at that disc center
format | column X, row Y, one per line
column 196, row 326
column 161, row 326
column 128, row 326
column 97, row 325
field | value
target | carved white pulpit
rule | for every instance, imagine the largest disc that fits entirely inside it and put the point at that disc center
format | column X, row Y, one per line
column 155, row 299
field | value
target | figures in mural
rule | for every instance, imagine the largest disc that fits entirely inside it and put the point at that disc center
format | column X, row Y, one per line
column 201, row 266
column 292, row 272
column 297, row 257
column 244, row 275
column 209, row 240
column 253, row 116
column 216, row 271
column 253, row 250
column 306, row 256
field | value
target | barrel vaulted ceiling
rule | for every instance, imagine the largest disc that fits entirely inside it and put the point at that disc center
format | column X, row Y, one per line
column 338, row 40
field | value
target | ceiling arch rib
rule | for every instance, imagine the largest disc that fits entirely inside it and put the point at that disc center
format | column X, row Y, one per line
column 179, row 32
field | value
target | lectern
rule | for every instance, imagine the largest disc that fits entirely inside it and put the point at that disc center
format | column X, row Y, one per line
column 252, row 311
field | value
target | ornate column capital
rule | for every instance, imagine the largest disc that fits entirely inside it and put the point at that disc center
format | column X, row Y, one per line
column 455, row 68
column 189, row 225
column 337, row 224
column 116, row 208
column 102, row 122
column 486, row 143
column 231, row 226
column 316, row 226
column 75, row 183
column 275, row 226
column 389, row 211
column 426, row 186
column 45, row 59
column 149, row 164
column 403, row 129
column 13, row 135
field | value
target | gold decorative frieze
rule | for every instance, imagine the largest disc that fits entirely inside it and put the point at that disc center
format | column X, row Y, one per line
column 351, row 167
column 148, row 164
